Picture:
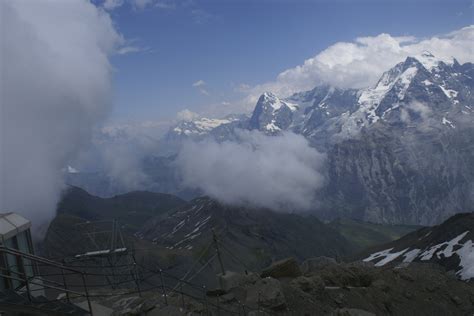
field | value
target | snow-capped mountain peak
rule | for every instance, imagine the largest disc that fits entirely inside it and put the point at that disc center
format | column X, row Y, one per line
column 442, row 87
column 400, row 77
column 272, row 114
column 268, row 98
column 430, row 62
column 200, row 126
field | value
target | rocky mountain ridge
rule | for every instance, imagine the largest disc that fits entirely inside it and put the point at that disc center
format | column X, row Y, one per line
column 400, row 152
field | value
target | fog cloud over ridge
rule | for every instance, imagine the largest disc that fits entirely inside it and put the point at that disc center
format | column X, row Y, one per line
column 55, row 88
column 278, row 172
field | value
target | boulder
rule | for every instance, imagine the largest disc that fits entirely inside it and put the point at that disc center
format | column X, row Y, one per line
column 316, row 264
column 381, row 285
column 232, row 279
column 351, row 312
column 167, row 311
column 303, row 283
column 281, row 269
column 266, row 293
column 308, row 284
column 258, row 313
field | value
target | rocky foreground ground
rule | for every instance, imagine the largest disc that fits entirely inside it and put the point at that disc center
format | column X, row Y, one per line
column 318, row 286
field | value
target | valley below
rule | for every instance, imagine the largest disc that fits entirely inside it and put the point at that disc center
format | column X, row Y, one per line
column 275, row 263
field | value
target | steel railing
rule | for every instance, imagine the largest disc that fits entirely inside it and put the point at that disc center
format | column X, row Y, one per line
column 27, row 281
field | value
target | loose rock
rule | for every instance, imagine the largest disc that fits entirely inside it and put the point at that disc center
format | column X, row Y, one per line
column 283, row 268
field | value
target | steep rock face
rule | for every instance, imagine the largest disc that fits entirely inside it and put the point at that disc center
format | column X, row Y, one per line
column 411, row 178
column 271, row 114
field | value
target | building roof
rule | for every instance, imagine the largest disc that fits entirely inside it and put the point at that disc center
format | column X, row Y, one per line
column 11, row 224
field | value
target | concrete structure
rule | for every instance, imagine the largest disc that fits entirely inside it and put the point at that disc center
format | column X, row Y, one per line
column 15, row 234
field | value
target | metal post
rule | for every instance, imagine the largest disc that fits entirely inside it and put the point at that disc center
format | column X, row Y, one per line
column 182, row 293
column 87, row 293
column 163, row 287
column 65, row 286
column 258, row 302
column 136, row 279
column 217, row 251
column 205, row 299
column 217, row 303
column 112, row 253
column 27, row 284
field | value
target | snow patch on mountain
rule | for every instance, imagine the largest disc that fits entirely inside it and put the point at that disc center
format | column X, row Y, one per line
column 272, row 127
column 276, row 103
column 466, row 255
column 72, row 170
column 451, row 94
column 411, row 255
column 454, row 247
column 447, row 122
column 387, row 256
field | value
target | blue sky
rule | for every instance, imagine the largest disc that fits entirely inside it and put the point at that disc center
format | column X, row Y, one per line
column 229, row 43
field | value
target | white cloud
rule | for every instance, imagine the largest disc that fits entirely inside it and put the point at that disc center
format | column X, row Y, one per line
column 360, row 63
column 128, row 50
column 201, row 16
column 186, row 115
column 279, row 172
column 166, row 4
column 200, row 85
column 55, row 84
column 112, row 4
column 139, row 4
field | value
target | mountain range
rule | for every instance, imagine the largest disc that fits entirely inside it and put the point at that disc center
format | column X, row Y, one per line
column 400, row 152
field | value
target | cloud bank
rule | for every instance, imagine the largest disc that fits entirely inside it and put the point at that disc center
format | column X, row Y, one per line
column 279, row 172
column 55, row 88
column 360, row 63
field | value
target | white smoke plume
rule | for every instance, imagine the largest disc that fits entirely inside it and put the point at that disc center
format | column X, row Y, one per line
column 55, row 88
column 276, row 172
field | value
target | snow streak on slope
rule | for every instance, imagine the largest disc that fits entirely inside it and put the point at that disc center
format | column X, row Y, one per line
column 454, row 247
